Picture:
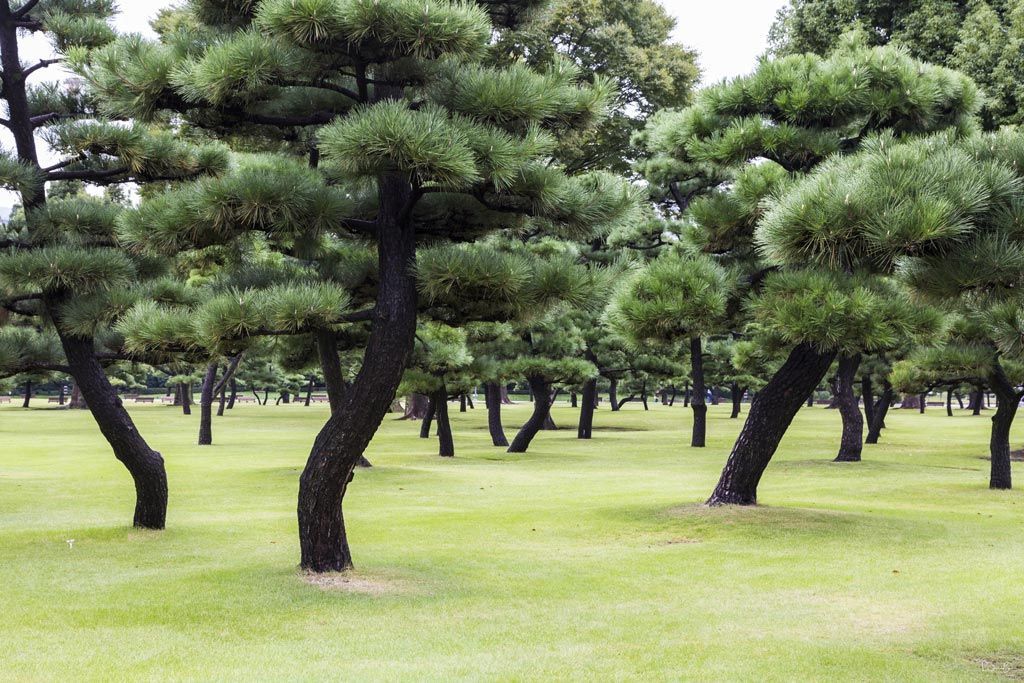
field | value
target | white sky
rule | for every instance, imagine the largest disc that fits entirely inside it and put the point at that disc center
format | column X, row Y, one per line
column 729, row 35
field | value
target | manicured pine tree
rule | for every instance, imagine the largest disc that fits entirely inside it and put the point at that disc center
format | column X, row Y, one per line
column 796, row 112
column 395, row 103
column 676, row 299
column 66, row 268
column 943, row 214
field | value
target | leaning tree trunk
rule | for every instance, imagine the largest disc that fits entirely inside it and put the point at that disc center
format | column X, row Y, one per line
column 445, row 443
column 334, row 378
column 697, row 404
column 145, row 465
column 234, row 393
column 999, row 441
column 867, row 395
column 493, row 401
column 341, row 442
column 541, row 409
column 428, row 418
column 879, row 413
column 852, row 442
column 770, row 415
column 586, row 426
column 28, row 395
column 206, row 405
column 613, row 394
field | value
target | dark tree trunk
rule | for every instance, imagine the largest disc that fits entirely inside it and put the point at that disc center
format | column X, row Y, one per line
column 62, row 396
column 852, row 442
column 700, row 409
column 613, row 394
column 586, row 426
column 145, row 465
column 493, row 401
column 347, row 433
column 573, row 401
column 949, row 403
column 959, row 400
column 469, row 401
column 234, row 394
column 715, row 396
column 810, row 399
column 445, row 444
column 770, row 415
column 977, row 402
column 737, row 400
column 428, row 418
column 206, row 405
column 309, row 392
column 672, row 397
column 879, row 412
column 330, row 365
column 643, row 397
column 505, row 400
column 686, row 395
column 549, row 422
column 223, row 401
column 1002, row 421
column 185, row 392
column 923, row 404
column 462, row 403
column 28, row 395
column 541, row 409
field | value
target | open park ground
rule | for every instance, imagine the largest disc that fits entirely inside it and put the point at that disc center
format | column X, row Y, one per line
column 585, row 561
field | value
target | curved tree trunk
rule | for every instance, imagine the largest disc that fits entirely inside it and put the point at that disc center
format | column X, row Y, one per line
column 206, row 405
column 428, row 418
column 341, row 442
column 852, row 442
column 697, row 404
column 613, row 394
column 445, row 444
column 879, row 412
column 493, row 401
column 234, row 393
column 1002, row 421
column 586, row 426
column 145, row 465
column 770, row 415
column 334, row 378
column 541, row 409
column 867, row 396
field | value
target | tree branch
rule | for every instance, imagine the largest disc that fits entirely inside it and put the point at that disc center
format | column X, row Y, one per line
column 23, row 11
column 41, row 64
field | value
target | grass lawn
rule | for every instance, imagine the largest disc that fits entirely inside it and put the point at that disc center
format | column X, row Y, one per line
column 580, row 560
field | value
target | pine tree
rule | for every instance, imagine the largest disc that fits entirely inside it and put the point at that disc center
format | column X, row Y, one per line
column 398, row 127
column 795, row 112
column 65, row 269
column 940, row 213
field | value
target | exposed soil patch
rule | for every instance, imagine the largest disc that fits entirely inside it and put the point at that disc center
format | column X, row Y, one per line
column 1010, row 665
column 349, row 582
column 1015, row 456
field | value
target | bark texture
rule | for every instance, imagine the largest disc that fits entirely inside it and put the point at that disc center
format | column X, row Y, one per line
column 541, row 410
column 585, row 430
column 771, row 413
column 342, row 441
column 494, row 426
column 852, row 442
column 698, row 435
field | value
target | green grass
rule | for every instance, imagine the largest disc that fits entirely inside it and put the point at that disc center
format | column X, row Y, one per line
column 586, row 561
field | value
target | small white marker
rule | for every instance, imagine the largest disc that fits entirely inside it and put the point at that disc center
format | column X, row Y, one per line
column 71, row 543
